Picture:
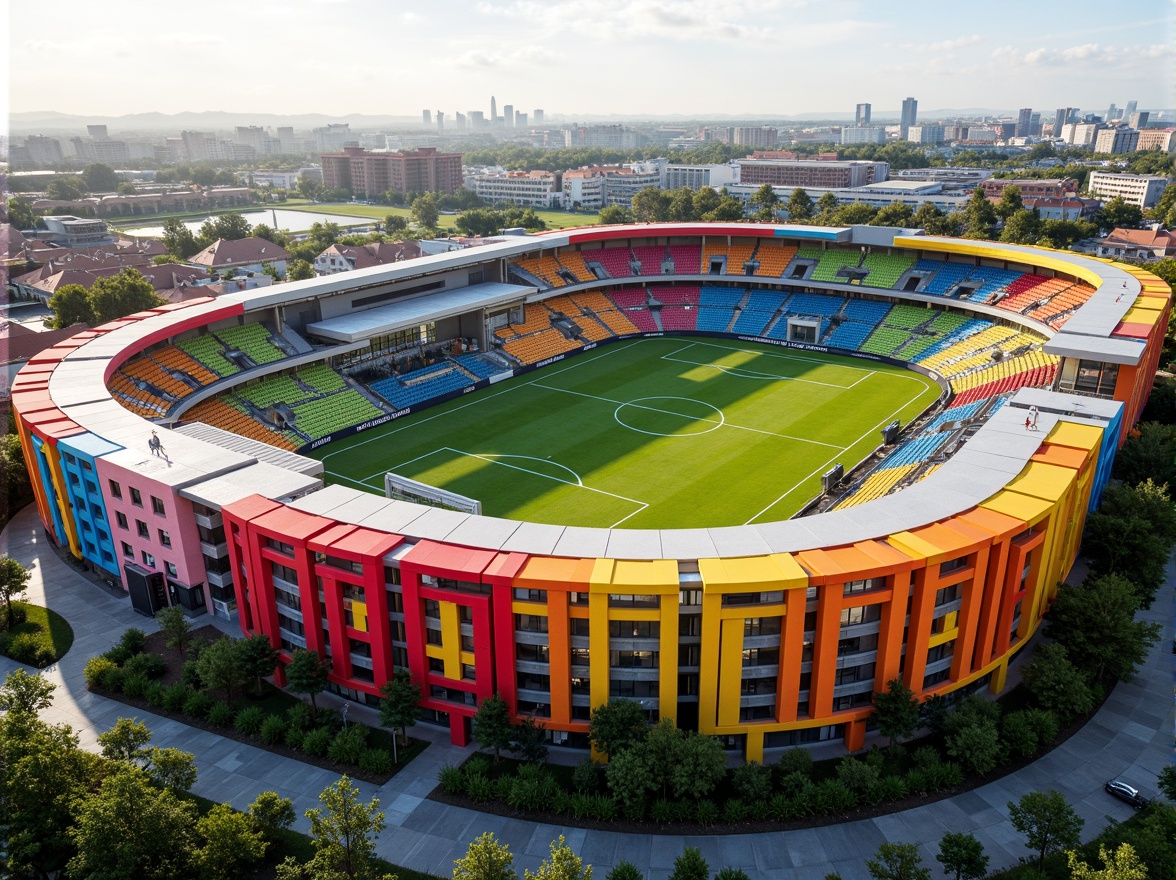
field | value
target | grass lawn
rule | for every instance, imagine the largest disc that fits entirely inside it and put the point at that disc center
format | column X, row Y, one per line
column 650, row 433
column 554, row 219
column 50, row 630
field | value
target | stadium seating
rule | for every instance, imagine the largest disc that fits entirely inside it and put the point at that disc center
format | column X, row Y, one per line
column 992, row 281
column 537, row 346
column 220, row 414
column 650, row 257
column 318, row 418
column 714, row 319
column 876, row 485
column 479, row 364
column 175, row 360
column 676, row 295
column 687, row 258
column 773, row 258
column 1023, row 292
column 758, row 311
column 850, row 335
column 814, row 304
column 536, row 317
column 867, row 310
column 573, row 261
column 207, row 350
column 545, row 269
column 885, row 269
column 832, row 262
column 712, row 248
column 642, row 319
column 253, row 340
column 947, row 277
column 615, row 260
column 721, row 297
column 420, row 385
column 1062, row 304
column 739, row 254
column 679, row 317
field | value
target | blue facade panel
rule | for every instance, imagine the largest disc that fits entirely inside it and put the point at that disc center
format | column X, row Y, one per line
column 95, row 532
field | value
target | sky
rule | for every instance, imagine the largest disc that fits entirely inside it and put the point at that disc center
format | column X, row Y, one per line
column 590, row 57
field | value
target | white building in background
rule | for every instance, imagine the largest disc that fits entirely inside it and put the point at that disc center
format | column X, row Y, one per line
column 698, row 176
column 1142, row 190
column 926, row 134
column 584, row 189
column 762, row 137
column 863, row 134
column 1116, row 140
column 529, row 189
column 1081, row 134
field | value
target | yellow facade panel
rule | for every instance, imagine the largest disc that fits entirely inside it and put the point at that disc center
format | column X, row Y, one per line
column 1075, row 435
column 1026, row 508
column 1044, row 481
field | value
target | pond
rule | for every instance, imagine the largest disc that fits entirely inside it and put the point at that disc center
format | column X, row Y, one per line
column 279, row 218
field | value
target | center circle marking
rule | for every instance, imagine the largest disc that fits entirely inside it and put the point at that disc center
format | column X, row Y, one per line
column 637, row 404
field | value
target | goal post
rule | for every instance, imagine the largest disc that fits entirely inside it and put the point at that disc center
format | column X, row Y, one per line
column 402, row 488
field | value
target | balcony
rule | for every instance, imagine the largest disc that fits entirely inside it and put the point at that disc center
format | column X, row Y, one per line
column 216, row 551
column 219, row 578
column 212, row 521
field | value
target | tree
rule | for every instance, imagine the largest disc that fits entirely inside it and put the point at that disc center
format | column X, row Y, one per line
column 424, row 211
column 116, row 296
column 1096, row 624
column 690, row 865
column 26, row 693
column 980, row 216
column 231, row 844
column 492, row 728
column 736, row 874
column 1023, row 227
column 15, row 486
column 66, row 188
column 728, row 209
column 701, row 765
column 1010, row 202
column 613, row 215
column 682, row 205
column 651, row 205
column 395, row 223
column 706, row 200
column 1117, row 213
column 1056, row 683
column 271, row 813
column 800, row 206
column 856, row 214
column 176, row 628
column 617, row 725
column 1047, row 821
column 171, row 768
column 963, row 855
column 624, row 870
column 21, row 214
column 344, row 831
column 1148, row 454
column 1122, row 863
column 1131, row 534
column 264, row 230
column 71, row 305
column 896, row 711
column 976, row 745
column 894, row 214
column 99, row 178
column 767, row 203
column 529, row 740
column 898, row 861
column 230, row 227
column 179, row 240
column 563, row 865
column 1168, row 782
column 630, row 779
column 126, row 741
column 485, row 859
column 219, row 666
column 258, row 658
column 299, row 270
column 307, row 674
column 128, row 828
column 400, row 707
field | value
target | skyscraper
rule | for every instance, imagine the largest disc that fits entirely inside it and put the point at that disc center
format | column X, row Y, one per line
column 537, row 116
column 1132, row 106
column 426, row 117
column 493, row 110
column 1061, row 118
column 861, row 115
column 1024, row 121
column 508, row 115
column 1112, row 114
column 910, row 112
column 440, row 120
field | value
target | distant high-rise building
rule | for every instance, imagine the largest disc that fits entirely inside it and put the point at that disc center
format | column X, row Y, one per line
column 422, row 170
column 1132, row 106
column 477, row 119
column 520, row 119
column 98, row 132
column 910, row 112
column 1024, row 122
column 1112, row 113
column 508, row 115
column 44, row 150
column 459, row 121
column 194, row 145
column 537, row 116
column 1062, row 117
column 426, row 117
column 1138, row 119
column 762, row 137
column 861, row 115
column 440, row 120
column 493, row 110
column 863, row 134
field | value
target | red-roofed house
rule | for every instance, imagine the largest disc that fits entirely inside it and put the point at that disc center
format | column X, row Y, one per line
column 1138, row 244
column 345, row 257
column 242, row 255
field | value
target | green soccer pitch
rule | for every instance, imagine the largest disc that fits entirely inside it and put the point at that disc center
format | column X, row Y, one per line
column 665, row 432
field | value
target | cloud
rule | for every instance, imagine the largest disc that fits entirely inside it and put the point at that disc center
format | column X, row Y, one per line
column 1088, row 55
column 943, row 45
column 524, row 56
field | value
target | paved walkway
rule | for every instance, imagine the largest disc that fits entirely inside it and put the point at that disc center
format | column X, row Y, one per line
column 1130, row 737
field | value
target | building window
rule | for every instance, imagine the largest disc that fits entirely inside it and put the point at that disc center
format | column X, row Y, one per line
column 530, row 653
column 952, row 565
column 121, row 519
column 142, row 529
column 629, row 600
column 761, row 657
column 530, row 623
column 865, row 586
column 128, row 550
column 157, row 505
column 171, row 569
column 115, row 490
column 164, row 538
column 148, row 559
column 579, row 626
column 762, row 626
column 530, row 595
column 862, row 614
column 633, row 659
column 634, row 629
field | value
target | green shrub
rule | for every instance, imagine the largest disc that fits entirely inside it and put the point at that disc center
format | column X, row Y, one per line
column 190, row 674
column 20, row 614
column 683, row 811
column 148, row 665
column 221, row 714
column 298, row 716
column 32, row 649
column 706, row 813
column 478, row 765
column 96, row 671
column 196, row 704
column 273, row 729
column 925, row 756
column 135, row 684
column 780, row 808
column 155, row 693
column 856, row 775
column 316, row 742
column 113, row 680
column 586, row 776
column 294, row 737
column 793, row 783
column 133, row 641
column 376, row 761
column 734, row 811
column 752, row 782
column 582, row 806
column 887, row 790
column 480, row 789
column 562, row 803
column 348, row 745
column 604, row 808
column 531, row 792
column 833, row 796
column 174, row 697
column 1045, row 725
column 452, row 779
column 249, row 720
column 118, row 655
column 918, row 780
column 502, row 787
column 1018, row 735
column 662, row 812
column 794, row 761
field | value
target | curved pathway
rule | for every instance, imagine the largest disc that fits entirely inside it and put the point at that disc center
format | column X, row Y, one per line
column 1130, row 736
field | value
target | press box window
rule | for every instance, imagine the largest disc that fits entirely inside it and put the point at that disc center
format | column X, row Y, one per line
column 136, row 498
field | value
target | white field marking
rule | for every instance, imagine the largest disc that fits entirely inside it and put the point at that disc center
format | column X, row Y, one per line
column 496, row 455
column 482, row 398
column 865, row 377
column 797, row 357
column 396, row 468
column 636, row 405
column 680, row 415
column 744, row 373
column 798, row 483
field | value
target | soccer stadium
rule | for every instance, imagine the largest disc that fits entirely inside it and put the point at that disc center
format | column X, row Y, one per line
column 744, row 474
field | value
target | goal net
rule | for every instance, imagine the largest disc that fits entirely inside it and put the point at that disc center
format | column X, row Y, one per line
column 403, row 489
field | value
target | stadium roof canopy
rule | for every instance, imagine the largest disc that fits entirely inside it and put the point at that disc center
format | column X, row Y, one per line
column 417, row 311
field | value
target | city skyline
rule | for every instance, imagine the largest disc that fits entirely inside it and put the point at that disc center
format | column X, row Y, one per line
column 454, row 61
